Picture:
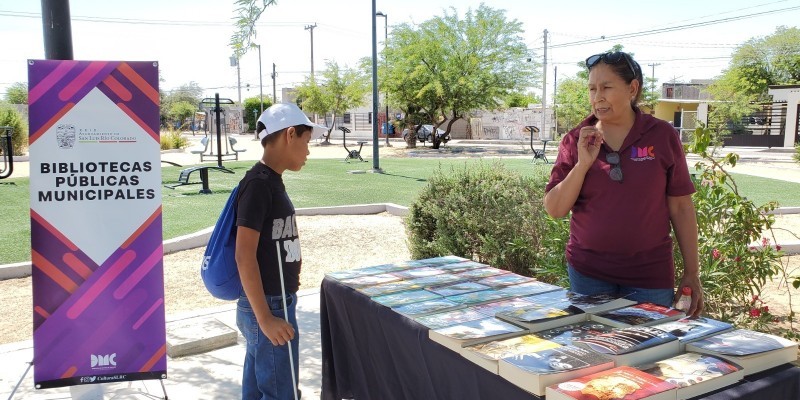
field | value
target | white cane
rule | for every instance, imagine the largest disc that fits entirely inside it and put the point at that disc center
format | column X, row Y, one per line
column 286, row 316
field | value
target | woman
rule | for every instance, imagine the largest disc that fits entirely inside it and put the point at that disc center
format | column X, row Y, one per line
column 624, row 176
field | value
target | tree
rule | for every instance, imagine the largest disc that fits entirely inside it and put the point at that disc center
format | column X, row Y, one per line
column 190, row 93
column 248, row 12
column 17, row 93
column 339, row 90
column 572, row 101
column 252, row 106
column 755, row 65
column 520, row 99
column 181, row 111
column 448, row 66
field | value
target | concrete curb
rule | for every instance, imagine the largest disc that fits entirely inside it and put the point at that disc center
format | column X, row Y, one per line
column 200, row 238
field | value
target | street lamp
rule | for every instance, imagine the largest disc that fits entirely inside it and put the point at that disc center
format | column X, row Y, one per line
column 375, row 162
column 385, row 65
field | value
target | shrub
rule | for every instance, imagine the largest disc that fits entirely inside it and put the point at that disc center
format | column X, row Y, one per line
column 11, row 117
column 797, row 152
column 172, row 139
column 484, row 212
column 733, row 270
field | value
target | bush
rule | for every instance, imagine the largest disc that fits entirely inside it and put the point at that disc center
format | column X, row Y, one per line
column 11, row 117
column 733, row 270
column 797, row 152
column 486, row 213
column 172, row 139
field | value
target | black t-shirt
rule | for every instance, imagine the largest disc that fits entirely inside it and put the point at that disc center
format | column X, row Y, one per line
column 265, row 206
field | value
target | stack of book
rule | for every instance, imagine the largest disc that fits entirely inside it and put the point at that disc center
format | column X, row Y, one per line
column 550, row 341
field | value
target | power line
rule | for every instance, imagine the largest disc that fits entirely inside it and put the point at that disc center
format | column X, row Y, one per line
column 673, row 28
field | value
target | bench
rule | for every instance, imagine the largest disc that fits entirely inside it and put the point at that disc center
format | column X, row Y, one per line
column 235, row 151
column 183, row 178
column 204, row 142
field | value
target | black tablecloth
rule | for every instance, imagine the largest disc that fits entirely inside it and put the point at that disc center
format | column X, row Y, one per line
column 370, row 352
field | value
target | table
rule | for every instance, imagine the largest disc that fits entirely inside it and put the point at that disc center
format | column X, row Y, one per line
column 370, row 352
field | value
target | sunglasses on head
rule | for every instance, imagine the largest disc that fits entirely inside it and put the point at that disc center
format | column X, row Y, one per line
column 615, row 173
column 611, row 58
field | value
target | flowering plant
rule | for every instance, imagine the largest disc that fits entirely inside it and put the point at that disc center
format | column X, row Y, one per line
column 736, row 258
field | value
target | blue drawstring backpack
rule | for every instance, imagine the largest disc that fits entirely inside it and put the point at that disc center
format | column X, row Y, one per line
column 219, row 271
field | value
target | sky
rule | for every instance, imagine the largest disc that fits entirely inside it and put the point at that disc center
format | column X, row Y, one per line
column 189, row 38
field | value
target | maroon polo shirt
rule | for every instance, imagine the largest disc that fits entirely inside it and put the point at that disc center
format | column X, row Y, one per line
column 620, row 232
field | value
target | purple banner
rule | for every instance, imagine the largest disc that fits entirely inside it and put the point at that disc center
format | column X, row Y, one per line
column 96, row 237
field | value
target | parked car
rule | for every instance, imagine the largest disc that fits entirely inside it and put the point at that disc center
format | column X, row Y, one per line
column 424, row 134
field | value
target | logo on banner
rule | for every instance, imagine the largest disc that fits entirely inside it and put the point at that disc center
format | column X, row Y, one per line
column 88, row 379
column 104, row 361
column 65, row 136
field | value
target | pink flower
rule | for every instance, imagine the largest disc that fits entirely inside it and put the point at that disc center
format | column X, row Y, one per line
column 715, row 253
column 737, row 259
column 765, row 309
column 755, row 312
column 778, row 247
column 764, row 242
column 755, row 298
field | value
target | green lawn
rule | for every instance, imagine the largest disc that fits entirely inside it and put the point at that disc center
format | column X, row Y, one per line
column 320, row 183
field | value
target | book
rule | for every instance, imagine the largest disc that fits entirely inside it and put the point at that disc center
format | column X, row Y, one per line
column 384, row 268
column 448, row 318
column 530, row 288
column 483, row 272
column 457, row 336
column 346, row 274
column 419, row 272
column 426, row 307
column 566, row 334
column 462, row 266
column 537, row 370
column 474, row 298
column 487, row 354
column 597, row 303
column 402, row 298
column 439, row 261
column 754, row 351
column 690, row 329
column 623, row 383
column 538, row 317
column 369, row 280
column 458, row 288
column 389, row 288
column 640, row 314
column 502, row 280
column 436, row 280
column 634, row 345
column 695, row 374
column 491, row 309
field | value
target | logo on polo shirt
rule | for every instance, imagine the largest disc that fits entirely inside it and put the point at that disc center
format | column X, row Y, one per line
column 643, row 153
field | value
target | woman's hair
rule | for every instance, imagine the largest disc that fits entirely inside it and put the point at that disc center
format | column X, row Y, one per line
column 622, row 68
column 300, row 129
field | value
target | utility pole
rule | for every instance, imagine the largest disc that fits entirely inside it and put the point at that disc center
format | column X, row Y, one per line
column 653, row 76
column 543, row 131
column 57, row 28
column 385, row 65
column 555, row 88
column 375, row 162
column 274, row 74
column 310, row 28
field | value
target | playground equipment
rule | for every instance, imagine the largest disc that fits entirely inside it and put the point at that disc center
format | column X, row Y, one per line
column 538, row 154
column 354, row 154
column 183, row 178
column 213, row 143
column 7, row 151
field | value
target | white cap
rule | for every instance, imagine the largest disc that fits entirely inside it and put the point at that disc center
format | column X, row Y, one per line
column 284, row 115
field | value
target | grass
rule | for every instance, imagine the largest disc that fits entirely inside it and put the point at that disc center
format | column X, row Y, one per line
column 321, row 183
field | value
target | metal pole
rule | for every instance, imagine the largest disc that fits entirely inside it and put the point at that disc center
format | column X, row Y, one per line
column 543, row 130
column 386, row 65
column 310, row 28
column 555, row 88
column 57, row 30
column 375, row 162
column 260, row 83
column 274, row 98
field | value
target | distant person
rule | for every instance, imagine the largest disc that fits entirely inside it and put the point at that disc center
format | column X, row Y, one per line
column 266, row 216
column 624, row 176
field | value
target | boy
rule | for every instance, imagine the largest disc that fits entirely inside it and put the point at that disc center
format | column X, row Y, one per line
column 265, row 215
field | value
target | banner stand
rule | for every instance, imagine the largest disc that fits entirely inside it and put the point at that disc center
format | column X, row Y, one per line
column 86, row 392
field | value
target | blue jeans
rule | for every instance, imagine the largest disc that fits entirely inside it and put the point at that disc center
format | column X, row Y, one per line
column 266, row 374
column 583, row 284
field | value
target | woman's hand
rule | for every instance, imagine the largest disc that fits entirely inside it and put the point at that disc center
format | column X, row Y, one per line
column 589, row 141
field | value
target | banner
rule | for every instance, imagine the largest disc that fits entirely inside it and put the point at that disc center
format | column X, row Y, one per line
column 96, row 242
